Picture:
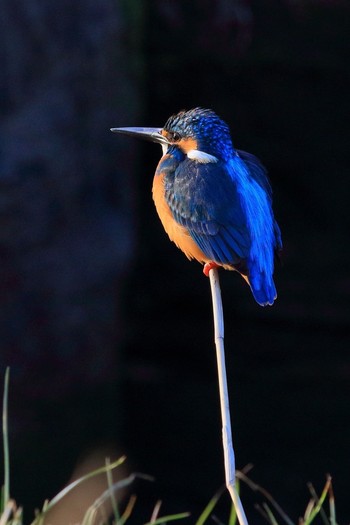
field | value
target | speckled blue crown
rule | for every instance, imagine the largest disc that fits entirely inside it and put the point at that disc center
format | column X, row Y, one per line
column 211, row 133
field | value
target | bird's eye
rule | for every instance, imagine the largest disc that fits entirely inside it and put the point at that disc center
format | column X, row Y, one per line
column 174, row 136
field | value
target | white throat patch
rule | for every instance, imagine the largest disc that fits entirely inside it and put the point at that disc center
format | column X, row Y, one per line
column 201, row 156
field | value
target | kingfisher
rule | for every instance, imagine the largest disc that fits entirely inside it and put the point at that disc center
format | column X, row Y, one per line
column 214, row 201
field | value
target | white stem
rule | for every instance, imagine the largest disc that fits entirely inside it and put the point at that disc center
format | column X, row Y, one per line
column 229, row 455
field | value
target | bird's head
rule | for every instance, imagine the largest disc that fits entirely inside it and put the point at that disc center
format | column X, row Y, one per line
column 199, row 133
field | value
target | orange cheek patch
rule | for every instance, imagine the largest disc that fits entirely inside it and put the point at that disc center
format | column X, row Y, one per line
column 188, row 144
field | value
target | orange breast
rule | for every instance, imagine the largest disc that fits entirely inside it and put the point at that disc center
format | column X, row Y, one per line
column 177, row 233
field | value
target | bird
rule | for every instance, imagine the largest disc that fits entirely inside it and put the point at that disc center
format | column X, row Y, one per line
column 214, row 201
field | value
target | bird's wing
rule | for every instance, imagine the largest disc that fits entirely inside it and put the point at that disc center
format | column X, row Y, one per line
column 204, row 199
column 257, row 171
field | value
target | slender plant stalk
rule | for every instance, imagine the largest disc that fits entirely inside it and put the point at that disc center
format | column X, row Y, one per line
column 6, row 489
column 229, row 455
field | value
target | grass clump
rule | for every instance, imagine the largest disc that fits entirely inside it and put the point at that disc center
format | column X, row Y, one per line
column 270, row 510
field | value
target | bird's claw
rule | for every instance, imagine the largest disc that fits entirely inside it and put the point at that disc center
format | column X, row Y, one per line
column 209, row 266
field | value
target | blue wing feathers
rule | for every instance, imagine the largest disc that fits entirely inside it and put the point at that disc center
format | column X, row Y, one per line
column 257, row 170
column 216, row 248
column 203, row 199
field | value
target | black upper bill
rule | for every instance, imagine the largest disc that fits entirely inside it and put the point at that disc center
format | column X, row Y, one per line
column 151, row 134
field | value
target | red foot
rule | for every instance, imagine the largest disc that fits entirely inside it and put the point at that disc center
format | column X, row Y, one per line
column 210, row 266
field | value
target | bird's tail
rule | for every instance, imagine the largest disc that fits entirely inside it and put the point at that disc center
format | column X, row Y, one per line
column 263, row 289
column 262, row 285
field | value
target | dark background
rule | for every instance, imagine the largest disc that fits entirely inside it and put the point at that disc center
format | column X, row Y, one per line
column 105, row 324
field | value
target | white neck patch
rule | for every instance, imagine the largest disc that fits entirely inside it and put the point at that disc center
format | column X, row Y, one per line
column 201, row 156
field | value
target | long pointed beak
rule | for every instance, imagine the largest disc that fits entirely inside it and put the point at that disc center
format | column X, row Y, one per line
column 151, row 134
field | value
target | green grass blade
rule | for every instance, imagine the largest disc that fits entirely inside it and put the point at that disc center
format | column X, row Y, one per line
column 309, row 508
column 210, row 507
column 128, row 509
column 332, row 517
column 323, row 515
column 94, row 508
column 257, row 488
column 6, row 490
column 112, row 493
column 233, row 513
column 71, row 486
column 17, row 519
column 8, row 511
column 319, row 503
column 171, row 517
column 233, row 516
column 156, row 511
column 270, row 514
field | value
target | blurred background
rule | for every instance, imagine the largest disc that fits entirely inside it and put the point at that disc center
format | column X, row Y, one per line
column 106, row 326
